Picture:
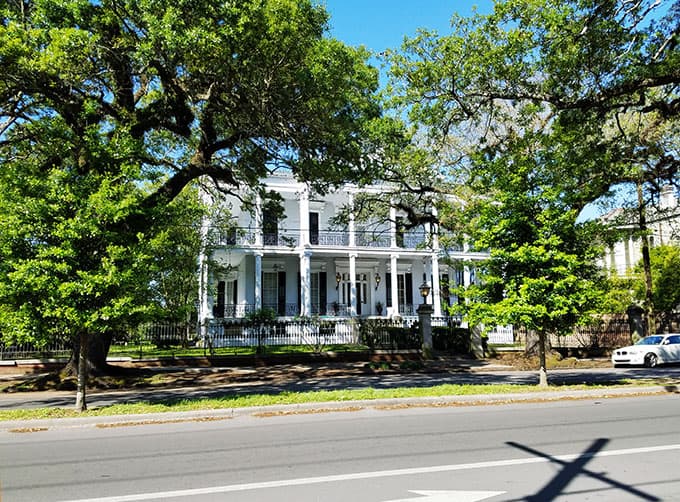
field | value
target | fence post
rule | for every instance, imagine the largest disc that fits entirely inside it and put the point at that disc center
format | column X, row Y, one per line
column 636, row 322
column 425, row 322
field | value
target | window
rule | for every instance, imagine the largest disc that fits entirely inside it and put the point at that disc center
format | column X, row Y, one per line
column 218, row 308
column 314, row 228
column 270, row 229
column 270, row 290
column 404, row 292
column 225, row 300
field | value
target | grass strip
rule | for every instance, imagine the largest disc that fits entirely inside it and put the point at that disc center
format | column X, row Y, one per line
column 258, row 400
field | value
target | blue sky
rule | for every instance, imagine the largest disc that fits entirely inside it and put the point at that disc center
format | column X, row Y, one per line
column 382, row 24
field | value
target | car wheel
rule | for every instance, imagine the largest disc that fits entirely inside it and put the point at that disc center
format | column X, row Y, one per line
column 651, row 360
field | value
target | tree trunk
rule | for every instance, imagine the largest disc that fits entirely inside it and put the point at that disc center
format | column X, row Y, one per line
column 542, row 372
column 650, row 325
column 532, row 341
column 81, row 391
column 97, row 350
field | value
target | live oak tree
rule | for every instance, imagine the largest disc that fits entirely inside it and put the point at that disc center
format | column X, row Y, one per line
column 544, row 89
column 597, row 66
column 123, row 103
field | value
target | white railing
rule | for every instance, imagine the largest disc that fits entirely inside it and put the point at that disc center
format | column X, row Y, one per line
column 502, row 335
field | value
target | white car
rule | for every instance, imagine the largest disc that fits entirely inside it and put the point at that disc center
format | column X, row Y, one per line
column 650, row 351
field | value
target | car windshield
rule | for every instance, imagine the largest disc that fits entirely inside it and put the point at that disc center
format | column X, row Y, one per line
column 650, row 340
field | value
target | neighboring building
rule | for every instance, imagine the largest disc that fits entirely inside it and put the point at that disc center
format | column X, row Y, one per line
column 663, row 225
column 300, row 265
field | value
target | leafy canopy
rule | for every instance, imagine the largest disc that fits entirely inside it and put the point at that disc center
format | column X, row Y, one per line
column 109, row 109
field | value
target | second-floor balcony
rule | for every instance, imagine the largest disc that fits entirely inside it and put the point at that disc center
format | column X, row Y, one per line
column 247, row 237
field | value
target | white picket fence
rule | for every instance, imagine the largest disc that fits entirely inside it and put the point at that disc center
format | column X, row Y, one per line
column 501, row 335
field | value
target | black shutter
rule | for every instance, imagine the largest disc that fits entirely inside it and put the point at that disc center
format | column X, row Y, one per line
column 408, row 279
column 299, row 293
column 323, row 292
column 314, row 228
column 388, row 289
column 218, row 309
column 281, row 307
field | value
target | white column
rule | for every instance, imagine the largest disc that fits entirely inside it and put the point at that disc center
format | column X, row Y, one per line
column 258, row 280
column 467, row 274
column 305, row 283
column 258, row 220
column 204, row 313
column 393, row 226
column 612, row 259
column 353, row 284
column 304, row 217
column 352, row 236
column 635, row 252
column 436, row 289
column 394, row 293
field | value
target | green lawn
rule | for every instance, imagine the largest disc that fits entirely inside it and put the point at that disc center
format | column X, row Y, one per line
column 285, row 398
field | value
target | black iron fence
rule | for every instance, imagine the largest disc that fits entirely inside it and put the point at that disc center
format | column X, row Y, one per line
column 315, row 333
column 55, row 349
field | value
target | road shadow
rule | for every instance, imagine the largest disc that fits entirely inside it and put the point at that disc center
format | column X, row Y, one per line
column 572, row 469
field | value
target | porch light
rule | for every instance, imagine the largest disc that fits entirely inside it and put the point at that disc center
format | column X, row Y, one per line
column 424, row 289
column 377, row 280
column 338, row 278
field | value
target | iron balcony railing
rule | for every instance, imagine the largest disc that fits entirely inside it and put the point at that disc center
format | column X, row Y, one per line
column 333, row 309
column 324, row 238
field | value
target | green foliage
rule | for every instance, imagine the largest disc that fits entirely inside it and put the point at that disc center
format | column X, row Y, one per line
column 177, row 240
column 229, row 90
column 109, row 111
column 66, row 266
column 600, row 78
column 261, row 316
column 539, row 109
column 665, row 263
column 619, row 294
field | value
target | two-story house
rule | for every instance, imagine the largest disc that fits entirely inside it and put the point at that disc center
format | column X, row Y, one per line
column 298, row 263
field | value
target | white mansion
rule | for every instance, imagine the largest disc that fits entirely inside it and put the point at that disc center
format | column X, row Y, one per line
column 300, row 264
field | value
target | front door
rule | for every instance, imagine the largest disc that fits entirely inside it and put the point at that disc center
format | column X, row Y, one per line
column 362, row 297
column 362, row 294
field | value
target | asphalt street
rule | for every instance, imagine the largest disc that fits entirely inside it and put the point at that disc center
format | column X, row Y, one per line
column 609, row 450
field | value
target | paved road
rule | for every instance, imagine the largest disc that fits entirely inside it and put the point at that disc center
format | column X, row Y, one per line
column 596, row 450
column 466, row 375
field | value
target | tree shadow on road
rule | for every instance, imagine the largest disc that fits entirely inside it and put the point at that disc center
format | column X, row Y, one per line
column 571, row 469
